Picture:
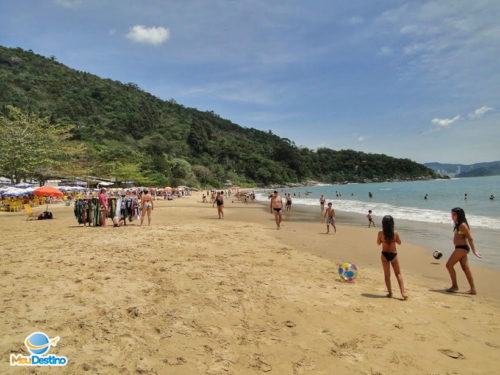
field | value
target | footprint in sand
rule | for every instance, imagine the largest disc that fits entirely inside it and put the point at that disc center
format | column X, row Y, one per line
column 177, row 361
column 133, row 312
column 259, row 364
column 452, row 353
column 290, row 324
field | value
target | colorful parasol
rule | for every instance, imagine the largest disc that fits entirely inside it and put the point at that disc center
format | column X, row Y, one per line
column 48, row 191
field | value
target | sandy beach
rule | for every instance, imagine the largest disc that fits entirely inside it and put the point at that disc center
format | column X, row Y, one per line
column 196, row 295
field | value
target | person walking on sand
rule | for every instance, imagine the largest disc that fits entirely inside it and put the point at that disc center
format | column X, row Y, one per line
column 276, row 206
column 388, row 239
column 146, row 205
column 463, row 242
column 219, row 199
column 322, row 203
column 330, row 218
column 370, row 219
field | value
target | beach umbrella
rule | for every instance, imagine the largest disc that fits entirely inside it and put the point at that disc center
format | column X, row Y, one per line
column 48, row 191
column 23, row 185
column 13, row 192
column 168, row 188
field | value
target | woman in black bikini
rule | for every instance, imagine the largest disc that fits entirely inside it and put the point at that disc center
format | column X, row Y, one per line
column 461, row 239
column 388, row 239
column 219, row 199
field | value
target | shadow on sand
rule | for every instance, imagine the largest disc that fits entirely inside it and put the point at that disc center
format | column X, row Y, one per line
column 444, row 291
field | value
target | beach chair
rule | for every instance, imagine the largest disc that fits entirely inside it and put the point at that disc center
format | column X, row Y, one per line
column 29, row 212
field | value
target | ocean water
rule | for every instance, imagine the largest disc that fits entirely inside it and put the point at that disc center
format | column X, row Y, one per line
column 405, row 200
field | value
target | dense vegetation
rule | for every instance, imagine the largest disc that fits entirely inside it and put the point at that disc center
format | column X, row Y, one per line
column 132, row 135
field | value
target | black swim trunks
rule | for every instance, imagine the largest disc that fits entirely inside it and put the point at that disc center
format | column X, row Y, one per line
column 277, row 209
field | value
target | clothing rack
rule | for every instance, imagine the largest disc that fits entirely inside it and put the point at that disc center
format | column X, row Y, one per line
column 88, row 210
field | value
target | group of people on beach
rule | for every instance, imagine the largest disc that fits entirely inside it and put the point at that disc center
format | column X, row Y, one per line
column 146, row 203
column 462, row 241
column 388, row 238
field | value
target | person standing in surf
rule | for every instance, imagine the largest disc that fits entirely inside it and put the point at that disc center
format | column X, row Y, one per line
column 463, row 242
column 288, row 202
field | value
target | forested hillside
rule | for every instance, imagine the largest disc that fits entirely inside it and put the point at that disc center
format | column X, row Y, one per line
column 130, row 134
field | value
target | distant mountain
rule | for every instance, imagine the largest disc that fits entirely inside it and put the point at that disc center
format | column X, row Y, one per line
column 492, row 170
column 466, row 170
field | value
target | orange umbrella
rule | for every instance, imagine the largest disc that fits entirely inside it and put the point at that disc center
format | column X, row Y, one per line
column 48, row 191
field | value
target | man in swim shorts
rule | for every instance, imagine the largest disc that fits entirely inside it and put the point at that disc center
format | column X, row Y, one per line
column 276, row 206
column 330, row 218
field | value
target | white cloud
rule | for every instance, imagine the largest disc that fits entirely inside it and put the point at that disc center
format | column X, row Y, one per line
column 255, row 92
column 414, row 48
column 444, row 42
column 385, row 51
column 442, row 123
column 112, row 32
column 478, row 113
column 68, row 3
column 149, row 35
column 361, row 139
column 356, row 20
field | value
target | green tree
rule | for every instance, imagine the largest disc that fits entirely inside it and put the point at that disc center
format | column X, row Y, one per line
column 31, row 146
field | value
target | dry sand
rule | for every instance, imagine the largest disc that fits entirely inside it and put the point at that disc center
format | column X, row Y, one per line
column 196, row 295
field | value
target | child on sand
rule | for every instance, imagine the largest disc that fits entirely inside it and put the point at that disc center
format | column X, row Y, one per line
column 388, row 239
column 461, row 239
column 330, row 215
column 370, row 219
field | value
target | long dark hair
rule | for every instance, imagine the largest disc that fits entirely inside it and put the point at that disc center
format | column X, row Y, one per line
column 388, row 228
column 460, row 218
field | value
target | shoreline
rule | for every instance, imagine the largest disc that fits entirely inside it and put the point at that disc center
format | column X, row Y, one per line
column 419, row 257
column 432, row 235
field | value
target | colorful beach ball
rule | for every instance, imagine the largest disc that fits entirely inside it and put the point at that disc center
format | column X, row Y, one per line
column 348, row 271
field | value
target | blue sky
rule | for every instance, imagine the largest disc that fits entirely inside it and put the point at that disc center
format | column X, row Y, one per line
column 416, row 79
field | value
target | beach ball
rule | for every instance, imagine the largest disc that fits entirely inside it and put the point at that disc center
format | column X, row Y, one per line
column 348, row 271
column 437, row 254
column 37, row 343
